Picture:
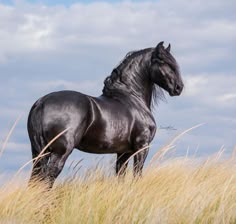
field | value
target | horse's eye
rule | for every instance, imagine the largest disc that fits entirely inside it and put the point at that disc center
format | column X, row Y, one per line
column 171, row 72
column 158, row 61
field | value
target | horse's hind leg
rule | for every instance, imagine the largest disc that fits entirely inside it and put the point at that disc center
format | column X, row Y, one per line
column 39, row 166
column 55, row 165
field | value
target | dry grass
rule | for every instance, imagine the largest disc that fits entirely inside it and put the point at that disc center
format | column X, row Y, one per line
column 180, row 190
column 177, row 191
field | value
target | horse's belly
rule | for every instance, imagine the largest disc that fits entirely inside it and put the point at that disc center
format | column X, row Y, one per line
column 100, row 145
column 109, row 132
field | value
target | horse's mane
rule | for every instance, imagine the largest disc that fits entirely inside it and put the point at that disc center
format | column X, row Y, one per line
column 117, row 71
column 112, row 83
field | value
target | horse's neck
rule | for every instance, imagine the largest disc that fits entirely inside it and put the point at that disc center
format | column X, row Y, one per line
column 141, row 88
column 144, row 98
column 131, row 82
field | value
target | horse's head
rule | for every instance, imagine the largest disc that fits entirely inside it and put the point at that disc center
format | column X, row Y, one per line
column 165, row 71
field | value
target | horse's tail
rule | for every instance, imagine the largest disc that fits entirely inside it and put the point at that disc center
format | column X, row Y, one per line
column 35, row 131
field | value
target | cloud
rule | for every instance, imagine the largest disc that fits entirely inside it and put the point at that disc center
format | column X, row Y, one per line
column 48, row 48
column 28, row 27
column 228, row 98
column 213, row 90
column 91, row 86
column 17, row 147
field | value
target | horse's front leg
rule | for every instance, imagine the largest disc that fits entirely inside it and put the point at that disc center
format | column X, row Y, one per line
column 122, row 163
column 141, row 146
column 139, row 160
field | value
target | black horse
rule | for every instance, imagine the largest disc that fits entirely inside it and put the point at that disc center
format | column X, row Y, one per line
column 119, row 121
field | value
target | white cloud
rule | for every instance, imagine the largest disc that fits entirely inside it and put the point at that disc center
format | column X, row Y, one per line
column 127, row 24
column 228, row 97
column 195, row 84
column 17, row 147
column 36, row 38
column 211, row 90
column 89, row 86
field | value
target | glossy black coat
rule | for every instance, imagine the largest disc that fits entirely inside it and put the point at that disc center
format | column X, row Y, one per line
column 119, row 121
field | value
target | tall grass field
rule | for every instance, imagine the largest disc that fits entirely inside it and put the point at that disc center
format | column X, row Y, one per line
column 177, row 190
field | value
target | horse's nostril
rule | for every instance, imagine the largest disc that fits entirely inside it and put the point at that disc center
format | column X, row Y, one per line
column 178, row 87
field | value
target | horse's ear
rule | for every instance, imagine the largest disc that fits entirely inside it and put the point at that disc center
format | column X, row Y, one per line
column 159, row 48
column 168, row 48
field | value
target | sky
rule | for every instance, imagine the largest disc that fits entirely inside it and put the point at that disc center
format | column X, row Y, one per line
column 47, row 46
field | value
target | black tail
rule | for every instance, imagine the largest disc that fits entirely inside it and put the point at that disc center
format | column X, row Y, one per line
column 37, row 140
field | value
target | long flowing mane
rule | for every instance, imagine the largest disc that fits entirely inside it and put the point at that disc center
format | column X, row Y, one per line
column 114, row 83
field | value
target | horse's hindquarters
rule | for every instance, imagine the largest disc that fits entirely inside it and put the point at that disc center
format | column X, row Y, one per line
column 61, row 111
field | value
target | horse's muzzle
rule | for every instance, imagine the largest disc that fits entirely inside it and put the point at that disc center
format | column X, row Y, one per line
column 177, row 90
